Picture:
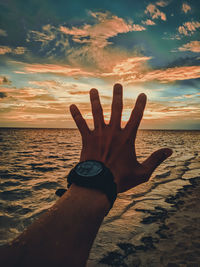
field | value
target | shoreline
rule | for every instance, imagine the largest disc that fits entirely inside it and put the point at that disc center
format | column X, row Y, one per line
column 176, row 242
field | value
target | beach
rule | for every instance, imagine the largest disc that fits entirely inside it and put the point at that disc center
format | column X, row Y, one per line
column 177, row 241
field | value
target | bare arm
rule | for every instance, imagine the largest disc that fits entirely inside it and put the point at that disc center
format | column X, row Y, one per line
column 63, row 236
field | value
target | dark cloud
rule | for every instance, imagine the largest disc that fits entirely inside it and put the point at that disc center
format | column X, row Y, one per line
column 3, row 95
column 184, row 61
column 4, row 80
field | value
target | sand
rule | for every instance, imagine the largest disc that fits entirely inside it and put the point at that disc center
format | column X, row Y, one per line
column 176, row 243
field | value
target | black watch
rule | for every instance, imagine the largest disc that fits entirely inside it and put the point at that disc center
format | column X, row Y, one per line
column 93, row 174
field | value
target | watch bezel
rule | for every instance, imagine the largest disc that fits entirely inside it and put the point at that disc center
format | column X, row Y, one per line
column 103, row 181
column 84, row 163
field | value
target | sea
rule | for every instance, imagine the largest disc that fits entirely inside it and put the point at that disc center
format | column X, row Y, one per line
column 34, row 163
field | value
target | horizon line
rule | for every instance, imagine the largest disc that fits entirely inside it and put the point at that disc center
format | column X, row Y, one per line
column 70, row 128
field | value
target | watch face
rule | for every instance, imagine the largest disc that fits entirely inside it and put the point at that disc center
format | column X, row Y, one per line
column 88, row 168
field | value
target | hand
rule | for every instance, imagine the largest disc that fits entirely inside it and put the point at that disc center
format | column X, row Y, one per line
column 114, row 146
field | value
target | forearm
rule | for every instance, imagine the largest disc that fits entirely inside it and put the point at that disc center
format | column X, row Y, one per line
column 63, row 236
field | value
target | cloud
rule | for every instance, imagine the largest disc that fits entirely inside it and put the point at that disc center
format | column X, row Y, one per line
column 19, row 50
column 106, row 26
column 16, row 96
column 3, row 95
column 186, row 7
column 33, row 105
column 128, row 67
column 154, row 12
column 49, row 34
column 3, row 33
column 63, row 90
column 172, row 110
column 36, row 106
column 188, row 28
column 76, row 92
column 191, row 95
column 149, row 22
column 193, row 46
column 171, row 74
column 162, row 3
column 45, row 83
column 130, row 70
column 136, row 70
column 137, row 28
column 4, row 80
column 64, row 70
column 89, row 45
column 4, row 50
column 8, row 50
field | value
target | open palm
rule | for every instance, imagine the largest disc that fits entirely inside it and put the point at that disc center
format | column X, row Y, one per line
column 115, row 146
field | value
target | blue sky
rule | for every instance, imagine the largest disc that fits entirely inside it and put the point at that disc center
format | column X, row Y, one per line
column 53, row 52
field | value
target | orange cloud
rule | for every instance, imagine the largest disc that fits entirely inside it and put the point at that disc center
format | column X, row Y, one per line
column 43, row 37
column 173, row 74
column 129, row 70
column 128, row 67
column 39, row 107
column 186, row 8
column 188, row 96
column 193, row 46
column 64, row 70
column 134, row 70
column 19, row 50
column 94, row 50
column 189, row 27
column 149, row 22
column 154, row 12
column 46, row 83
column 6, row 50
column 162, row 3
column 64, row 91
column 106, row 26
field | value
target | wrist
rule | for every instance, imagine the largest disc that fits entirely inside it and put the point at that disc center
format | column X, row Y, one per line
column 97, row 200
column 93, row 174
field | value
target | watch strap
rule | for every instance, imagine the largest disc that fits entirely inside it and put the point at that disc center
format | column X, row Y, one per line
column 103, row 182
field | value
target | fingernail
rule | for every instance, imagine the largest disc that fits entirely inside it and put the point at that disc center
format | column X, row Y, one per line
column 143, row 97
column 118, row 88
column 72, row 107
column 93, row 91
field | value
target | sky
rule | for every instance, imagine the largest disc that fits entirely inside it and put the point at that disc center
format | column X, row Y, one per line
column 53, row 52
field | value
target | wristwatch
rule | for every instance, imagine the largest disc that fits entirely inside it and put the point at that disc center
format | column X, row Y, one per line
column 93, row 174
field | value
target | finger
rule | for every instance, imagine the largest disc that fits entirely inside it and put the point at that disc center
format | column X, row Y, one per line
column 97, row 110
column 79, row 120
column 156, row 158
column 136, row 115
column 117, row 105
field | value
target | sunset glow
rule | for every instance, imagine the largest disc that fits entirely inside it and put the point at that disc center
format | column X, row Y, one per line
column 52, row 57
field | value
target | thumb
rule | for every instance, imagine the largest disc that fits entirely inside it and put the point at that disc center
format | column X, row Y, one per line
column 156, row 158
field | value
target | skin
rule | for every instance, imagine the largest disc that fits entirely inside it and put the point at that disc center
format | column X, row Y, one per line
column 115, row 146
column 64, row 235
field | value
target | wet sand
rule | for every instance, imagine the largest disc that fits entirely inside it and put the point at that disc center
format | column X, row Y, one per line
column 177, row 240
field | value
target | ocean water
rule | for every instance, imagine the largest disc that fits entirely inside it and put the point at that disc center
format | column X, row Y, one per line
column 35, row 162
